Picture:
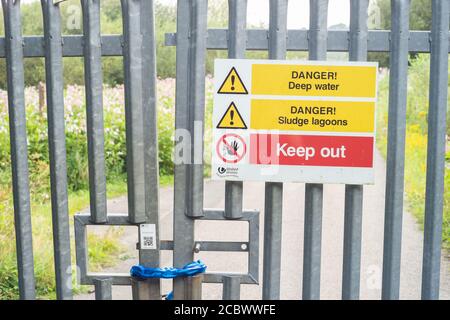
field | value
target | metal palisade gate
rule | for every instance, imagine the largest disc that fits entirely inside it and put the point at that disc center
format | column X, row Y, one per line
column 192, row 40
column 137, row 47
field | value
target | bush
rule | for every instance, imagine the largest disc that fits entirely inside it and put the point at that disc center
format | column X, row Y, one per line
column 76, row 143
column 416, row 140
column 101, row 252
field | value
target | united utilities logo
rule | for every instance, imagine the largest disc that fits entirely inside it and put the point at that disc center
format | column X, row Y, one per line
column 227, row 171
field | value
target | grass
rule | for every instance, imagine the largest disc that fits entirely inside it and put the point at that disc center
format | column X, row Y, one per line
column 104, row 250
column 416, row 143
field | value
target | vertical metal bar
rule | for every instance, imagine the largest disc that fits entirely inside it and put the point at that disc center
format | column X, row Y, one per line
column 396, row 148
column 132, row 56
column 231, row 288
column 94, row 109
column 81, row 251
column 193, row 287
column 150, row 113
column 19, row 154
column 314, row 192
column 437, row 115
column 233, row 199
column 183, row 227
column 57, row 147
column 273, row 206
column 142, row 148
column 147, row 289
column 190, row 84
column 237, row 29
column 103, row 289
column 199, row 11
column 354, row 193
column 150, row 258
column 237, row 36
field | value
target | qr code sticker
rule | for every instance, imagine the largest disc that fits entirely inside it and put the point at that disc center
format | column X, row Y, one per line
column 148, row 236
column 148, row 241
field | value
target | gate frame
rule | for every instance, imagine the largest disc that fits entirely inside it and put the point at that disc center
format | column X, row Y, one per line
column 193, row 39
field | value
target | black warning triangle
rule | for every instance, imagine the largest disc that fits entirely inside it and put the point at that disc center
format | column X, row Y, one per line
column 231, row 119
column 233, row 84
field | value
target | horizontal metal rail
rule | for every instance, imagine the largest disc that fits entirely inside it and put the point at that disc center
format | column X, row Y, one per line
column 297, row 40
column 34, row 46
column 251, row 247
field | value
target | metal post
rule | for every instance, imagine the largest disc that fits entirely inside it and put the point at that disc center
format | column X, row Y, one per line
column 436, row 150
column 57, row 148
column 148, row 289
column 197, row 53
column 94, row 109
column 132, row 56
column 314, row 192
column 273, row 206
column 194, row 287
column 396, row 149
column 189, row 115
column 103, row 289
column 354, row 193
column 237, row 36
column 19, row 154
column 231, row 288
column 142, row 148
column 150, row 258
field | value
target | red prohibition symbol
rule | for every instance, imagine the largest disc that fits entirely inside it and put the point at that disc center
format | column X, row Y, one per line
column 231, row 148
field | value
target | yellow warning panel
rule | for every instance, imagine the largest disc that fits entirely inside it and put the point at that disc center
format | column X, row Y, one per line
column 336, row 116
column 233, row 84
column 314, row 80
column 232, row 119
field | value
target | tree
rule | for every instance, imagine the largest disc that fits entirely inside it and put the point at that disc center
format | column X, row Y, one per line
column 420, row 14
column 419, row 19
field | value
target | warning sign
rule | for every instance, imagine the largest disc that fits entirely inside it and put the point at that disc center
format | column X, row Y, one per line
column 232, row 119
column 314, row 80
column 231, row 148
column 311, row 150
column 310, row 121
column 232, row 84
column 308, row 115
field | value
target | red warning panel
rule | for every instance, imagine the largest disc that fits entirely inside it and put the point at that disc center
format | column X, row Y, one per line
column 311, row 150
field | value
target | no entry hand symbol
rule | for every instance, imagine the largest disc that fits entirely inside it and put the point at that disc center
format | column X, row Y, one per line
column 231, row 148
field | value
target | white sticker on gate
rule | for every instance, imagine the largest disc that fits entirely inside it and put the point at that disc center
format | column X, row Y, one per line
column 148, row 236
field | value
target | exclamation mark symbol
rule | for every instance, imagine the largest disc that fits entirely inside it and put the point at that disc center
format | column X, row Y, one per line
column 232, row 116
column 232, row 82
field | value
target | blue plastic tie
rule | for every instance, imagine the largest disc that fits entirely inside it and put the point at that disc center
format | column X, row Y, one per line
column 189, row 270
column 169, row 296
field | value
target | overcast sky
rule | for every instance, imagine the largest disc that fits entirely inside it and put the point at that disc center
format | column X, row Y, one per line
column 298, row 12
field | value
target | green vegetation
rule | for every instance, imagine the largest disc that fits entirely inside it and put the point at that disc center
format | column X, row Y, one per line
column 416, row 141
column 104, row 249
column 111, row 23
column 419, row 19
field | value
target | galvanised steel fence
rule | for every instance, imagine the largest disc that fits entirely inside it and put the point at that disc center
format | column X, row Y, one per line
column 192, row 40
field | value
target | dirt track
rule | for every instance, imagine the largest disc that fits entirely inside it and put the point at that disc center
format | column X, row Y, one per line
column 291, row 275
